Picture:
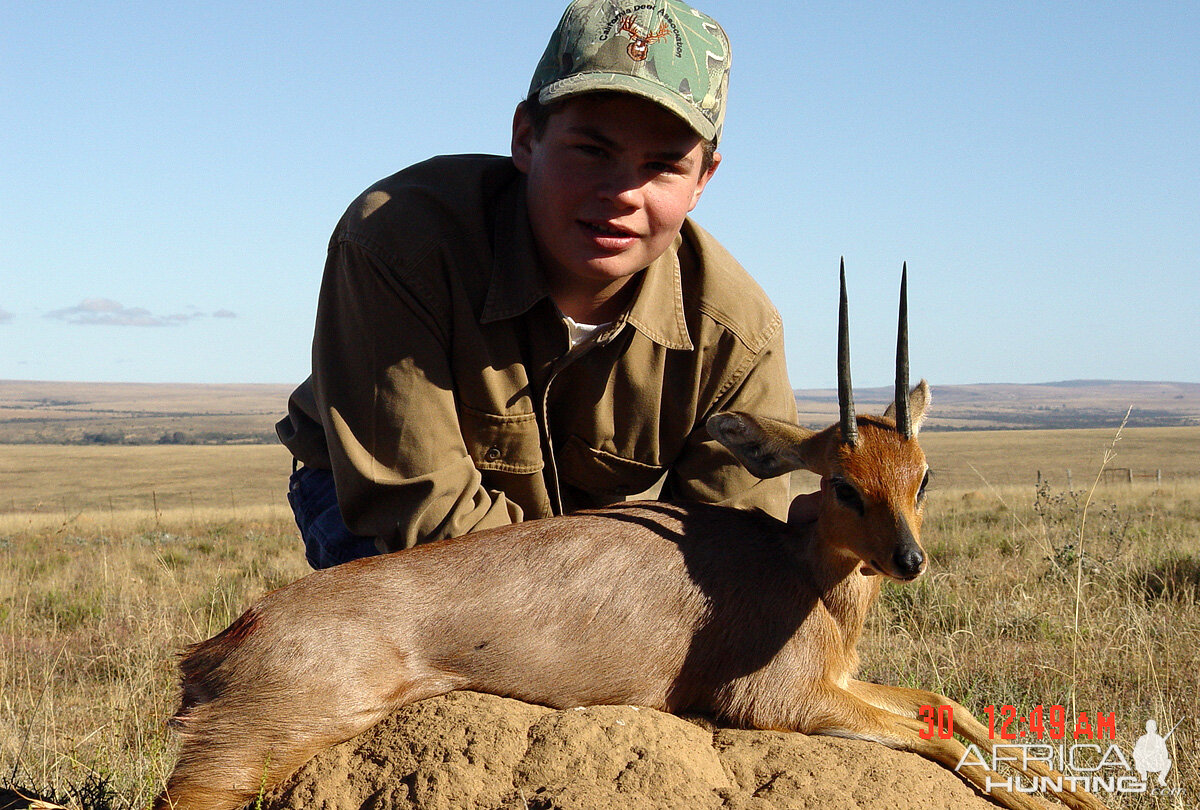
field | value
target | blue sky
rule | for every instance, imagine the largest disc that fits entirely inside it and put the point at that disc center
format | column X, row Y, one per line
column 172, row 172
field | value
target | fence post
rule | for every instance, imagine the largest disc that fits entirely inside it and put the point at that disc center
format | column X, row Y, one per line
column 1068, row 480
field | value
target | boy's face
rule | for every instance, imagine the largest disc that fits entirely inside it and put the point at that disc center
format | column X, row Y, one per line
column 610, row 182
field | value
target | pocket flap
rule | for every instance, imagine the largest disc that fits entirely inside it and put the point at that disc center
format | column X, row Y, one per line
column 597, row 471
column 505, row 443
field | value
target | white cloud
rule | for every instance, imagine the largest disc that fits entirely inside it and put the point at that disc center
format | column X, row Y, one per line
column 106, row 312
column 5, row 316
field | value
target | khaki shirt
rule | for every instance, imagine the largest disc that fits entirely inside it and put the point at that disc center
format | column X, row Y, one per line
column 446, row 398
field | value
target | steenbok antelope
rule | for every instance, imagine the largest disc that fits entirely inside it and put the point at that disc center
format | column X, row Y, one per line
column 682, row 607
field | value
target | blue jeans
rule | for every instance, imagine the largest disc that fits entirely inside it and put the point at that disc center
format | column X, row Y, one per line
column 327, row 539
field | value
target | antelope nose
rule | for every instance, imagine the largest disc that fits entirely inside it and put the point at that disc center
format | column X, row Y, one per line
column 908, row 561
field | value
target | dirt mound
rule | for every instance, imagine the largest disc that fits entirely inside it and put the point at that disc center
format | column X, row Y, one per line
column 467, row 750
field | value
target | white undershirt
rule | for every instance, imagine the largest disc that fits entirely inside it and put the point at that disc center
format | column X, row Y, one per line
column 581, row 332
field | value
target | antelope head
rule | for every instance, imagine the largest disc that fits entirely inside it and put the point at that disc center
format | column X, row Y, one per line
column 873, row 472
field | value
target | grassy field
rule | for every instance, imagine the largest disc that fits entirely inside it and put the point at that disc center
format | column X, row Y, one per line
column 114, row 558
column 61, row 482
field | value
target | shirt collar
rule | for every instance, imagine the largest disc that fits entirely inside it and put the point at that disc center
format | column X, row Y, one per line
column 657, row 311
column 517, row 281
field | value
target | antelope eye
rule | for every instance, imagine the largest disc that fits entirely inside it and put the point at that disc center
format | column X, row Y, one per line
column 847, row 495
column 924, row 484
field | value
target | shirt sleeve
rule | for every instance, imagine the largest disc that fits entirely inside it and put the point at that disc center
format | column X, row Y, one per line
column 384, row 392
column 707, row 471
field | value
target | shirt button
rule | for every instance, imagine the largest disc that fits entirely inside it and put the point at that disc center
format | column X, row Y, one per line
column 492, row 454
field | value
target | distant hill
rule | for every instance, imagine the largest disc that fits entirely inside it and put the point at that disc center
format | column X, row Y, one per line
column 1067, row 404
column 135, row 413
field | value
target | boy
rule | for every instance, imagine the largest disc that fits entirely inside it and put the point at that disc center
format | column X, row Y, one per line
column 503, row 339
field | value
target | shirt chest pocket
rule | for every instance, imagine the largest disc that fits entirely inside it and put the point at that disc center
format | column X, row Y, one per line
column 605, row 474
column 502, row 443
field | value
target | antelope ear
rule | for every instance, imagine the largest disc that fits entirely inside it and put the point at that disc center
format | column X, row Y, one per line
column 764, row 446
column 918, row 406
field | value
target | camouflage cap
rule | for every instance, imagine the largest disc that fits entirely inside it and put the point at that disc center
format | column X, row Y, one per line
column 662, row 50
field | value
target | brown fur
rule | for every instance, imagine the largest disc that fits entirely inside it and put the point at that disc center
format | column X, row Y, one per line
column 197, row 668
column 678, row 607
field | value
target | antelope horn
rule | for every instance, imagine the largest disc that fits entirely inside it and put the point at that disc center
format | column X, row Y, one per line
column 845, row 395
column 903, row 417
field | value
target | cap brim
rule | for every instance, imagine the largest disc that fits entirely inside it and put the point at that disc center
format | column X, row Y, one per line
column 592, row 82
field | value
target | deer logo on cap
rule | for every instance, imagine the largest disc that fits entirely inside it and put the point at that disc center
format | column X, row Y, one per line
column 639, row 41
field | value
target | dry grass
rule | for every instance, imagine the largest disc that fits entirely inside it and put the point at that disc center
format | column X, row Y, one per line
column 65, row 482
column 995, row 622
column 97, row 595
column 969, row 459
column 91, row 615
